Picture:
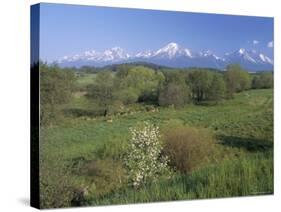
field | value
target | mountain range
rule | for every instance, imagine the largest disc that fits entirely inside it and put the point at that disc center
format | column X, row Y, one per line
column 171, row 55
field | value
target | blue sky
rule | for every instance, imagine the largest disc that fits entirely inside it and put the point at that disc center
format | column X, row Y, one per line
column 72, row 29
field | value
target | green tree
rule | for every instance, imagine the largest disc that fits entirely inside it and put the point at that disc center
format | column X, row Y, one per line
column 263, row 80
column 127, row 96
column 56, row 87
column 173, row 94
column 217, row 88
column 174, row 90
column 200, row 82
column 256, row 82
column 236, row 79
column 141, row 82
column 102, row 90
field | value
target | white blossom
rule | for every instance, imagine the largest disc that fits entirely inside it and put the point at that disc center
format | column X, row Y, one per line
column 143, row 159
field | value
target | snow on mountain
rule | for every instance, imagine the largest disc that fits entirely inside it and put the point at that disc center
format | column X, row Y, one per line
column 172, row 50
column 109, row 55
column 265, row 59
column 210, row 54
column 250, row 59
column 113, row 54
column 241, row 54
column 145, row 54
column 172, row 55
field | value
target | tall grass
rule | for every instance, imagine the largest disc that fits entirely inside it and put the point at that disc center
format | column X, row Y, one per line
column 249, row 176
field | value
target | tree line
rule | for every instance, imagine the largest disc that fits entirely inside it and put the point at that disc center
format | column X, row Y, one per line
column 166, row 87
column 130, row 84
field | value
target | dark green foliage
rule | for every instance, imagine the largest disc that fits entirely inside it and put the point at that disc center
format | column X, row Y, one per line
column 127, row 86
column 101, row 91
column 263, row 80
column 236, row 79
column 127, row 66
column 56, row 87
column 127, row 96
column 140, row 82
column 200, row 82
column 217, row 88
column 130, row 84
column 173, row 94
column 206, row 85
column 106, row 176
column 56, row 185
column 175, row 76
column 174, row 90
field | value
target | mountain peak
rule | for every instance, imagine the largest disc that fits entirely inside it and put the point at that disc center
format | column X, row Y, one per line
column 145, row 54
column 171, row 49
column 117, row 49
column 115, row 53
column 206, row 53
column 172, row 55
column 242, row 51
column 172, row 45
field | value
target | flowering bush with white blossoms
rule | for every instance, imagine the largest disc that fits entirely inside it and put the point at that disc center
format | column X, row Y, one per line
column 144, row 160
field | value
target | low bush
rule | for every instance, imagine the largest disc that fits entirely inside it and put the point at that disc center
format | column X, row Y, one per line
column 56, row 185
column 187, row 148
column 104, row 176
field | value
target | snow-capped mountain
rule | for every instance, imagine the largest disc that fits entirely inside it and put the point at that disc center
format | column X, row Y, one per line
column 249, row 59
column 92, row 57
column 145, row 54
column 172, row 55
column 172, row 50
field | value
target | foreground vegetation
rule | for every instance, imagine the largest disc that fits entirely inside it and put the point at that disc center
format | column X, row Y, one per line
column 236, row 177
column 218, row 144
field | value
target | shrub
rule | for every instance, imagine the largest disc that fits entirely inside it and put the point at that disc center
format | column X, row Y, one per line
column 144, row 160
column 56, row 185
column 187, row 148
column 105, row 176
column 50, row 115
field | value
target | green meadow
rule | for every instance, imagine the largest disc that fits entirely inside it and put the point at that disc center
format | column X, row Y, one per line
column 82, row 153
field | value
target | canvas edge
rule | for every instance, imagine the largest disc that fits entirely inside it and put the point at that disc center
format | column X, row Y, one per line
column 34, row 102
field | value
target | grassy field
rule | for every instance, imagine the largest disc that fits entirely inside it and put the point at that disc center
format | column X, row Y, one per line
column 242, row 163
